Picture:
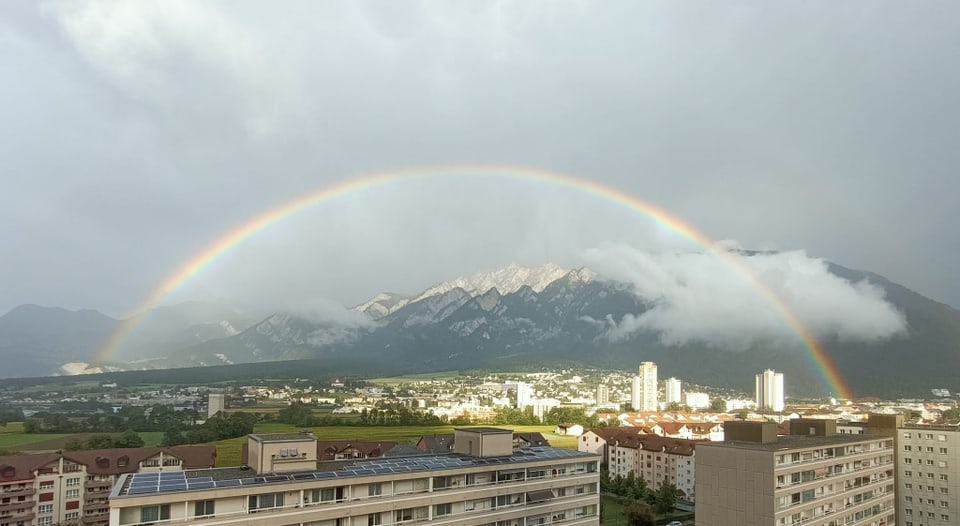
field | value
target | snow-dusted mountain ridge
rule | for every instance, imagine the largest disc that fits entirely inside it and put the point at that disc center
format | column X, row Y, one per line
column 506, row 280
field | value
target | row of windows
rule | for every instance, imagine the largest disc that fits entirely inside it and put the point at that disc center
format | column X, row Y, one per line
column 931, row 502
column 908, row 447
column 909, row 485
column 909, row 473
column 940, row 464
column 925, row 436
column 930, row 515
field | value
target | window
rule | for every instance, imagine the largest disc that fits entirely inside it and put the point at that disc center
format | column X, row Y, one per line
column 73, row 494
column 155, row 513
column 944, row 504
column 941, row 464
column 45, row 508
column 906, row 435
column 907, row 448
column 908, row 485
column 945, row 517
column 908, row 460
column 441, row 509
column 289, row 452
column 943, row 477
column 375, row 489
column 72, row 516
column 908, row 499
column 929, row 436
column 374, row 519
column 943, row 451
column 907, row 473
column 73, row 481
column 944, row 491
column 45, row 521
column 202, row 508
column 942, row 438
column 47, row 484
column 266, row 501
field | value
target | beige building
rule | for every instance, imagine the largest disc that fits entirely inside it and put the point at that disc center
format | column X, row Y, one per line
column 928, row 474
column 484, row 481
column 813, row 476
column 74, row 487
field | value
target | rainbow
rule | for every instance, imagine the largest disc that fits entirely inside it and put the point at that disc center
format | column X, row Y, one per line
column 222, row 245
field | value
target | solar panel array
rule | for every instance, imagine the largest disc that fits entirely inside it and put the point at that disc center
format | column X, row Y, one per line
column 169, row 481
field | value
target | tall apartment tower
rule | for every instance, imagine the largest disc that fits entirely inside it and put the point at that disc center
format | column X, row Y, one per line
column 648, row 387
column 603, row 394
column 524, row 395
column 215, row 403
column 673, row 391
column 769, row 390
column 928, row 474
column 813, row 476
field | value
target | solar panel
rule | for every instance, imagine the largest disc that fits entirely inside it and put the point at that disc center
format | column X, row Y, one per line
column 326, row 475
column 303, row 476
column 201, row 485
column 227, row 483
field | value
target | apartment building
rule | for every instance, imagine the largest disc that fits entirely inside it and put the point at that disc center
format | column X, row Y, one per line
column 74, row 487
column 484, row 481
column 928, row 475
column 659, row 460
column 813, row 476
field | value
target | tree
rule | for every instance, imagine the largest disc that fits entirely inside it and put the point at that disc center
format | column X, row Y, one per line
column 718, row 405
column 639, row 513
column 172, row 437
column 128, row 438
column 666, row 498
column 99, row 442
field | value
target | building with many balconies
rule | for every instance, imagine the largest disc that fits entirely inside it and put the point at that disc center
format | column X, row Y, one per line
column 813, row 476
column 484, row 481
column 74, row 487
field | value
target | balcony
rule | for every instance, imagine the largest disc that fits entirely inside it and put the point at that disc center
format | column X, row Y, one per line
column 90, row 484
column 27, row 491
column 11, row 506
column 93, row 506
column 25, row 516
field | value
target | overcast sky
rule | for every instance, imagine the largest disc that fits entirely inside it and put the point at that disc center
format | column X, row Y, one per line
column 134, row 134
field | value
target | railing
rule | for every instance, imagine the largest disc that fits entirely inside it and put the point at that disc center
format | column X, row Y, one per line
column 16, row 505
column 29, row 490
column 795, row 485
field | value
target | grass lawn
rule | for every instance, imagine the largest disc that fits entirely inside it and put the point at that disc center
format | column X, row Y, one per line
column 611, row 513
column 228, row 451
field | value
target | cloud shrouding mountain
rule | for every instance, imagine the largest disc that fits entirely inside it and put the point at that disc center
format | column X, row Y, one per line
column 700, row 297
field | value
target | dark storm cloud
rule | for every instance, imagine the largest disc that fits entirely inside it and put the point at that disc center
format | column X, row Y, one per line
column 134, row 134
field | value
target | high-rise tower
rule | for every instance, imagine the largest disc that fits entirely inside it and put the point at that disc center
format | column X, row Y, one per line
column 769, row 390
column 648, row 387
column 672, row 389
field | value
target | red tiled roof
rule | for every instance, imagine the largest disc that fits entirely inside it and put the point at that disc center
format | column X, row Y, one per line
column 14, row 468
column 674, row 446
column 107, row 461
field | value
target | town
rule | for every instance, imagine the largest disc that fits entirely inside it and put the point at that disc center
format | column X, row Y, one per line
column 621, row 437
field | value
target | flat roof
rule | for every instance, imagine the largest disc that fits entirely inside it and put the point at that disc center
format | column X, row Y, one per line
column 786, row 442
column 282, row 437
column 142, row 484
column 486, row 430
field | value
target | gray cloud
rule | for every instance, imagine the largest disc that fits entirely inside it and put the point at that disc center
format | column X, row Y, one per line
column 700, row 297
column 135, row 134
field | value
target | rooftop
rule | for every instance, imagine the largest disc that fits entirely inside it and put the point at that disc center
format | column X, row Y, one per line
column 486, row 430
column 282, row 437
column 139, row 484
column 787, row 442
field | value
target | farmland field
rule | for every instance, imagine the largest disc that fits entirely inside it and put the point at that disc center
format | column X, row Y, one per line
column 13, row 438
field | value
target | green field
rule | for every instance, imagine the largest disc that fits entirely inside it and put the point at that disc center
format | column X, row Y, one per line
column 228, row 451
column 12, row 438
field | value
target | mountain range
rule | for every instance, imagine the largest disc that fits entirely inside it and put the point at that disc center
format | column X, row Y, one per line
column 514, row 317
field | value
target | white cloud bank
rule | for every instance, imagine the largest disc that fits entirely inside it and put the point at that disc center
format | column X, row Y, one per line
column 701, row 297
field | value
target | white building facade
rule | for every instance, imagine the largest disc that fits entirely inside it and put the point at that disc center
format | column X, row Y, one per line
column 769, row 391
